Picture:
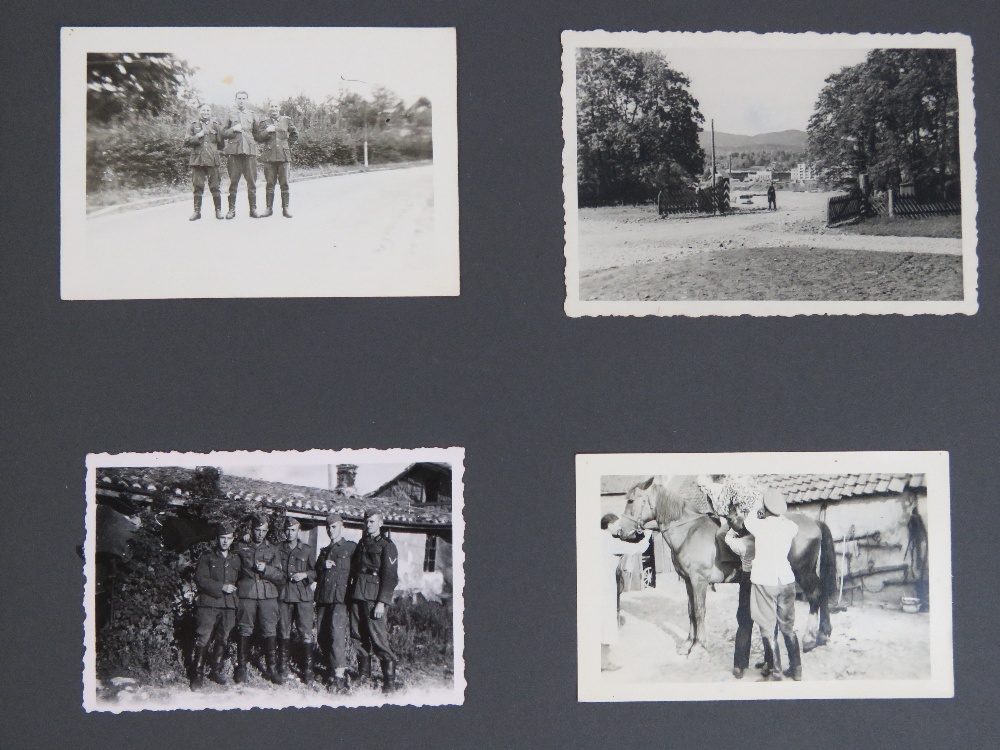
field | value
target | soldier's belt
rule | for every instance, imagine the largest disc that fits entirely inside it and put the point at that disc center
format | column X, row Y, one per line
column 369, row 573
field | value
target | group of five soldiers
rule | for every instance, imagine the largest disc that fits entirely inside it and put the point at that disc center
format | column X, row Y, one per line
column 237, row 139
column 255, row 585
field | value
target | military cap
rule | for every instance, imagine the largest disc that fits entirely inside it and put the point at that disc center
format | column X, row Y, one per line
column 224, row 528
column 257, row 520
column 372, row 512
column 334, row 518
column 774, row 501
column 291, row 522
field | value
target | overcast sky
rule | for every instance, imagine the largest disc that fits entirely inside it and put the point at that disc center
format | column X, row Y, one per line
column 279, row 63
column 755, row 91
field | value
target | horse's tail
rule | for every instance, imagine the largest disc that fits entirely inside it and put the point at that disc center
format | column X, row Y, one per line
column 827, row 562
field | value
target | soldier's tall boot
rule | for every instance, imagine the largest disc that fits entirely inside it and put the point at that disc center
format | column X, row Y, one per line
column 794, row 670
column 232, row 207
column 198, row 668
column 268, row 203
column 283, row 658
column 197, row 208
column 307, row 669
column 252, row 200
column 767, row 665
column 215, row 673
column 284, row 205
column 217, row 200
column 775, row 672
column 388, row 675
column 272, row 674
column 242, row 656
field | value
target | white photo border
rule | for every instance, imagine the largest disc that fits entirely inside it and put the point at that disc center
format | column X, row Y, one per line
column 591, row 467
column 738, row 40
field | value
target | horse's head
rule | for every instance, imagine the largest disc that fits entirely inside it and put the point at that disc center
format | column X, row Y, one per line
column 640, row 507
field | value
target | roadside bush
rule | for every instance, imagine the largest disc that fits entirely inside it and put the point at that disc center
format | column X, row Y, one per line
column 421, row 632
column 316, row 148
column 136, row 153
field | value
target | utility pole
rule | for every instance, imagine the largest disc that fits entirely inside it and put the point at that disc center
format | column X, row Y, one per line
column 715, row 208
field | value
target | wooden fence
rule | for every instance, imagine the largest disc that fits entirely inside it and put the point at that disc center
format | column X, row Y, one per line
column 846, row 207
column 694, row 201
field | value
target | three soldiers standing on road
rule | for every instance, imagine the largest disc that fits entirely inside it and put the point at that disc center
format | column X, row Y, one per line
column 260, row 586
column 237, row 139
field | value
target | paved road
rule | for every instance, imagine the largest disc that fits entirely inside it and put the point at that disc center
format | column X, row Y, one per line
column 369, row 234
column 612, row 238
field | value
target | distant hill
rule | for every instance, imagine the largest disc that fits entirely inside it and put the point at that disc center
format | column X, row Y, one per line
column 785, row 140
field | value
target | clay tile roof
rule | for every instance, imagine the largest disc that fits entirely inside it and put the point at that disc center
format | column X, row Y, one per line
column 618, row 484
column 803, row 488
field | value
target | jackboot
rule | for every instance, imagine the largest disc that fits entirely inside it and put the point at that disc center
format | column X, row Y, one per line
column 364, row 667
column 232, row 207
column 794, row 670
column 271, row 673
column 197, row 208
column 217, row 200
column 388, row 675
column 283, row 667
column 767, row 665
column 307, row 668
column 284, row 206
column 252, row 200
column 198, row 668
column 269, row 204
column 215, row 674
column 242, row 656
column 776, row 672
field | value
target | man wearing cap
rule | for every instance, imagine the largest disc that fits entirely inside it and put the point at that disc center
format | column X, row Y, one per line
column 215, row 610
column 241, row 129
column 205, row 139
column 376, row 576
column 772, row 598
column 261, row 576
column 333, row 574
column 278, row 135
column 295, row 603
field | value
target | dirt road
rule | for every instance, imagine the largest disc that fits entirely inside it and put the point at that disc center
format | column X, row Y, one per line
column 365, row 234
column 868, row 642
column 788, row 254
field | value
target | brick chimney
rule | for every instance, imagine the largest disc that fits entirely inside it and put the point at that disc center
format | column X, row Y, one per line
column 346, row 474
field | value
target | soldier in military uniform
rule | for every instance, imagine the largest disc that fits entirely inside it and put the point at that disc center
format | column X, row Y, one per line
column 215, row 610
column 295, row 603
column 277, row 135
column 376, row 576
column 241, row 130
column 205, row 139
column 333, row 574
column 261, row 576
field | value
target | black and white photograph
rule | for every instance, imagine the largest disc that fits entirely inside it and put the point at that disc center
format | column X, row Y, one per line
column 758, row 576
column 258, row 162
column 733, row 173
column 274, row 580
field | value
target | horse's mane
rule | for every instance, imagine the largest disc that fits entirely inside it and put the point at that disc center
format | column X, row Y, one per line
column 679, row 497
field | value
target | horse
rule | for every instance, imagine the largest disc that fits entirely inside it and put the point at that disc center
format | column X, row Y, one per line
column 701, row 556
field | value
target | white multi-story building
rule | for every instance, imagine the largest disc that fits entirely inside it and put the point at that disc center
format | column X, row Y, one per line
column 804, row 172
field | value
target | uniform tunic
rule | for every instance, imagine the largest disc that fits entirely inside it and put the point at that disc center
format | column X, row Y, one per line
column 276, row 152
column 331, row 599
column 215, row 608
column 376, row 575
column 258, row 592
column 296, row 597
column 241, row 151
column 205, row 159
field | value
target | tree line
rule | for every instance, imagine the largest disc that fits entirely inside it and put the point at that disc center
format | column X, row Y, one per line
column 138, row 105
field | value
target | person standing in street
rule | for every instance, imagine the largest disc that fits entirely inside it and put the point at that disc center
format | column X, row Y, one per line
column 772, row 198
column 205, row 139
column 612, row 548
column 215, row 610
column 333, row 575
column 295, row 603
column 278, row 135
column 241, row 130
column 772, row 599
column 261, row 576
column 376, row 575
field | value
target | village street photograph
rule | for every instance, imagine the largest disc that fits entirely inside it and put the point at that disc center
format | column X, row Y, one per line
column 274, row 580
column 769, row 174
column 258, row 162
column 758, row 576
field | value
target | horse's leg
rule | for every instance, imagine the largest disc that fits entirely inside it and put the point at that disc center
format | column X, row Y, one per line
column 685, row 648
column 809, row 638
column 825, row 626
column 700, row 588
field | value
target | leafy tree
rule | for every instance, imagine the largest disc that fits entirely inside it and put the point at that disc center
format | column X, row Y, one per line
column 136, row 83
column 894, row 116
column 637, row 126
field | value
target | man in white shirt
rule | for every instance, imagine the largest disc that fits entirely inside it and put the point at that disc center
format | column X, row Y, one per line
column 613, row 548
column 772, row 601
